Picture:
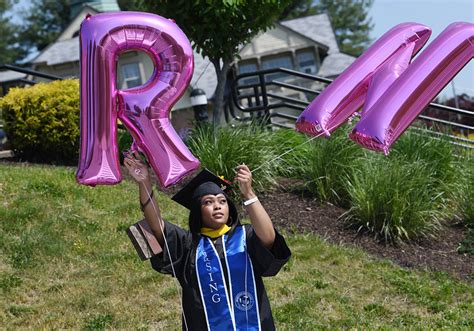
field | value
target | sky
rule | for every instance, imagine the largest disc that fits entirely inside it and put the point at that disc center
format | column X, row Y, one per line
column 437, row 14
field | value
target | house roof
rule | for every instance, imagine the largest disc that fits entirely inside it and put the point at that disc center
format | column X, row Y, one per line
column 317, row 28
column 9, row 75
column 97, row 5
column 62, row 51
column 334, row 64
column 104, row 5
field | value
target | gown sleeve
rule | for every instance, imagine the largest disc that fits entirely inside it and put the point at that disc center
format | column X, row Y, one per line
column 179, row 242
column 267, row 262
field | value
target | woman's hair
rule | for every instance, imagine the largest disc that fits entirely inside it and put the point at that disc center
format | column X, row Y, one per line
column 195, row 216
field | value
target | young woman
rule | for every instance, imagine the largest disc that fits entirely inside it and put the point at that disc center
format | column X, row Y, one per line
column 218, row 261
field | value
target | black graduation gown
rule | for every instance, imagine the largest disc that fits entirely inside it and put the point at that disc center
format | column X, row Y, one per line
column 182, row 248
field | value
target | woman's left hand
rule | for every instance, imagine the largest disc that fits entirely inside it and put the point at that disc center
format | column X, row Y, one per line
column 244, row 178
column 137, row 168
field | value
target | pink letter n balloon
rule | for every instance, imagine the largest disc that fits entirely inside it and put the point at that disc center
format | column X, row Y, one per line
column 393, row 91
column 385, row 120
column 143, row 110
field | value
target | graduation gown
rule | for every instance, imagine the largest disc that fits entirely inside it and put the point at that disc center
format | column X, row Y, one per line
column 182, row 248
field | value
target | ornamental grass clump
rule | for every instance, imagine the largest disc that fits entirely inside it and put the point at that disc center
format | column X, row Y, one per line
column 466, row 192
column 331, row 164
column 436, row 153
column 411, row 192
column 222, row 149
column 295, row 151
column 394, row 199
column 443, row 164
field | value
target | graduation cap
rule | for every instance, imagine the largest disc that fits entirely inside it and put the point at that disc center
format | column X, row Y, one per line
column 186, row 195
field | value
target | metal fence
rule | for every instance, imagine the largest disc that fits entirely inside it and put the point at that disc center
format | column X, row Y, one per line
column 277, row 96
column 28, row 80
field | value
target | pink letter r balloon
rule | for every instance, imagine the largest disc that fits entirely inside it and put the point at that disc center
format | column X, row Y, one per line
column 144, row 110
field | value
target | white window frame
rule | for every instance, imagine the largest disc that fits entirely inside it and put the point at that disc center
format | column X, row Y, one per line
column 126, row 58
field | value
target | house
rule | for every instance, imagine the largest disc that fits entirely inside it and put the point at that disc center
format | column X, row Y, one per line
column 307, row 44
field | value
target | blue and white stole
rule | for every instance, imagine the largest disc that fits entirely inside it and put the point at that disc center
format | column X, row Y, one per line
column 239, row 310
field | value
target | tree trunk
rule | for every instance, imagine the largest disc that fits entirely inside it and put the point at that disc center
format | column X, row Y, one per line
column 219, row 95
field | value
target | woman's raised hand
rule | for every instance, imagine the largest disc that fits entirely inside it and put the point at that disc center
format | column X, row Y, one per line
column 137, row 168
column 243, row 176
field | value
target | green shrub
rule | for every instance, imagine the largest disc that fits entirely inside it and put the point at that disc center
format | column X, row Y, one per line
column 42, row 121
column 331, row 163
column 222, row 149
column 125, row 141
column 395, row 199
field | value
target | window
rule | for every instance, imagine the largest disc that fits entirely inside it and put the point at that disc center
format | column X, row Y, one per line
column 277, row 62
column 131, row 75
column 247, row 67
column 307, row 62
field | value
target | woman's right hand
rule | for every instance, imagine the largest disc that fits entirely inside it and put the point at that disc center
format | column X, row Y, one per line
column 137, row 169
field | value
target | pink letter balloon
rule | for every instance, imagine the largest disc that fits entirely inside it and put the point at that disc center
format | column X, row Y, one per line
column 346, row 94
column 144, row 110
column 385, row 120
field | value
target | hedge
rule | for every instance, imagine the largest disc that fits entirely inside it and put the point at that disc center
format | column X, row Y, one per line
column 42, row 121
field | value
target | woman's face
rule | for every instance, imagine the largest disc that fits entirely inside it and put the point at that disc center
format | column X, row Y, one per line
column 214, row 210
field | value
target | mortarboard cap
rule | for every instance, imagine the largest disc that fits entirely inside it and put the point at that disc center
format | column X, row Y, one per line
column 185, row 196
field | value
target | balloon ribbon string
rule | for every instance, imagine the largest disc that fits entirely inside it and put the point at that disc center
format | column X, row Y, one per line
column 169, row 256
column 202, row 73
column 283, row 154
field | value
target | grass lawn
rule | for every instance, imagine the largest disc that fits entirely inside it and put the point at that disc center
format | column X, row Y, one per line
column 66, row 262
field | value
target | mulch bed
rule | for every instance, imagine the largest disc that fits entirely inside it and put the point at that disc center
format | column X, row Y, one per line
column 291, row 209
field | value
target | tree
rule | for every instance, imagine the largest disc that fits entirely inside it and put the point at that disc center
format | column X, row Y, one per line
column 133, row 5
column 44, row 20
column 351, row 23
column 349, row 19
column 10, row 52
column 218, row 29
column 299, row 8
